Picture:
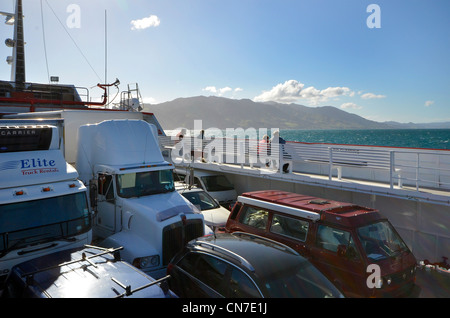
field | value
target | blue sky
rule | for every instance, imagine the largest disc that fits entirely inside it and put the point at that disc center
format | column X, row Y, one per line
column 310, row 52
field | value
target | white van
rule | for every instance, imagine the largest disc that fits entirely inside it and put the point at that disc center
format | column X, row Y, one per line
column 216, row 184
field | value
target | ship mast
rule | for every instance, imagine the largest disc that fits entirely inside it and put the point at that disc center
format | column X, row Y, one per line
column 17, row 60
column 18, row 57
column 18, row 67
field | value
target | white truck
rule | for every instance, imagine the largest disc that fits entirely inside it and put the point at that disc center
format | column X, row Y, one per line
column 132, row 191
column 43, row 206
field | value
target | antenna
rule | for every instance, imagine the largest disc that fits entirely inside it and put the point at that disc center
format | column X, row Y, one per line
column 106, row 50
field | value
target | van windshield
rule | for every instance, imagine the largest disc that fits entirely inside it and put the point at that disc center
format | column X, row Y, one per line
column 380, row 241
column 38, row 221
column 217, row 183
column 144, row 183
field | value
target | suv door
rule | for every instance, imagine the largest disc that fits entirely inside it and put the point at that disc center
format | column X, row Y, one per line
column 199, row 275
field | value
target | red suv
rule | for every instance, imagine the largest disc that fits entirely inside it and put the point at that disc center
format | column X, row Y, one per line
column 355, row 247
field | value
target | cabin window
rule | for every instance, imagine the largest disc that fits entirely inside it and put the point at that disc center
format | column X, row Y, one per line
column 105, row 186
column 217, row 183
column 290, row 227
column 254, row 217
column 337, row 240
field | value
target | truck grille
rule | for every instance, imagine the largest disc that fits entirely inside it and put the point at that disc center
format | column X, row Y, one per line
column 173, row 240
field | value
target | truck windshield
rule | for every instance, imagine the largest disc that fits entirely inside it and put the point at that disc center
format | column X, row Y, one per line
column 380, row 241
column 38, row 221
column 217, row 183
column 144, row 183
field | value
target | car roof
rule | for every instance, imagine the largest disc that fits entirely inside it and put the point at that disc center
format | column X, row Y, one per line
column 347, row 214
column 255, row 253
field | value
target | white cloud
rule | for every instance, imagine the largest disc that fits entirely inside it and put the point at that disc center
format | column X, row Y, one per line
column 371, row 96
column 350, row 106
column 287, row 92
column 221, row 91
column 211, row 89
column 292, row 90
column 150, row 21
column 224, row 90
column 428, row 103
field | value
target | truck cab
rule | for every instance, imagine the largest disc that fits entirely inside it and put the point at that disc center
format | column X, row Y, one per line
column 355, row 247
column 43, row 205
column 131, row 188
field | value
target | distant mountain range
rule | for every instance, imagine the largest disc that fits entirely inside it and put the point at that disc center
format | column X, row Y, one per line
column 220, row 112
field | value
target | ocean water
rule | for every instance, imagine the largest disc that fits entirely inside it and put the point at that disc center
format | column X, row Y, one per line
column 413, row 138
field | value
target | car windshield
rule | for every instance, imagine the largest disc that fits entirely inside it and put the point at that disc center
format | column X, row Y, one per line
column 217, row 183
column 144, row 183
column 303, row 281
column 38, row 221
column 201, row 199
column 380, row 241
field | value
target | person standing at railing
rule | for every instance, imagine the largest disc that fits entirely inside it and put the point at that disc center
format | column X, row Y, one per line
column 277, row 140
column 199, row 154
column 264, row 150
column 180, row 135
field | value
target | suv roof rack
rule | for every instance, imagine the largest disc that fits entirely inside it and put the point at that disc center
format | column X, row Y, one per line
column 241, row 259
column 278, row 244
column 314, row 216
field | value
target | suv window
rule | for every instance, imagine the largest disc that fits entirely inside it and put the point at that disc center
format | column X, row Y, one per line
column 331, row 238
column 207, row 269
column 241, row 286
column 288, row 226
column 255, row 217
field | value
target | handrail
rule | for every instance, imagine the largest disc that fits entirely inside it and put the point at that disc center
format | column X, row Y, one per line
column 45, row 94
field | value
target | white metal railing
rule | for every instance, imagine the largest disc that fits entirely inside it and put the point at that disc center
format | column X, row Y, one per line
column 424, row 168
column 418, row 168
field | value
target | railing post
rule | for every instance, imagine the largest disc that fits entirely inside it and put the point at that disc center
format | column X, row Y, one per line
column 330, row 158
column 391, row 168
column 417, row 172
